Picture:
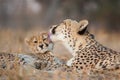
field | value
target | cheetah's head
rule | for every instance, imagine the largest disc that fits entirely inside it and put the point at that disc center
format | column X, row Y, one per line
column 71, row 33
column 69, row 28
column 39, row 43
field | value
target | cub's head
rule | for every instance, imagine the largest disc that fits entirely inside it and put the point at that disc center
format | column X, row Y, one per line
column 68, row 29
column 39, row 43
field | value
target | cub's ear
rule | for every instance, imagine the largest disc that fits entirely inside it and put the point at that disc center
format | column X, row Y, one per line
column 26, row 41
column 83, row 27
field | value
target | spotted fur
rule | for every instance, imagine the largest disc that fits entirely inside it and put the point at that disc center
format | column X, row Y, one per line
column 10, row 60
column 46, row 61
column 88, row 54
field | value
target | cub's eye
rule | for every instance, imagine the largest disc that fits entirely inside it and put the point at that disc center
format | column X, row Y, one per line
column 44, row 39
column 35, row 41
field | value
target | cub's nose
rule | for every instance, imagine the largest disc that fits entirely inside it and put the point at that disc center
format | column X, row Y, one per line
column 53, row 30
column 41, row 46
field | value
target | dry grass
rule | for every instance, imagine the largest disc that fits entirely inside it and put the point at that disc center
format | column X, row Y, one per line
column 13, row 41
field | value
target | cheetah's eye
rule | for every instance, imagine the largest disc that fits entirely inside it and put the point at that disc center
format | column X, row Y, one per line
column 44, row 39
column 35, row 41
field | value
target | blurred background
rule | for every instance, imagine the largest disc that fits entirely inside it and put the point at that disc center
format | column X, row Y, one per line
column 21, row 18
column 31, row 13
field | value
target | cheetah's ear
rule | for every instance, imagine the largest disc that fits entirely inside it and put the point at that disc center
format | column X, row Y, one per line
column 26, row 41
column 83, row 27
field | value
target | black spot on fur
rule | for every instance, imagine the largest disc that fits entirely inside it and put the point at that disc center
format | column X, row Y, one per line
column 81, row 56
column 69, row 36
column 76, row 66
column 104, row 66
column 81, row 67
column 117, row 67
column 80, row 63
column 90, row 62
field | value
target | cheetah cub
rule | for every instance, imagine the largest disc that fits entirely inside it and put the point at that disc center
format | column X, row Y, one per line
column 88, row 54
column 41, row 46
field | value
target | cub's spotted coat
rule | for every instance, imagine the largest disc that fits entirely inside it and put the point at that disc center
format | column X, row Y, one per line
column 42, row 49
column 10, row 60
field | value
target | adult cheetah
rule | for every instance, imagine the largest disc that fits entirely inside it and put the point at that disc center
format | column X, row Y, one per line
column 88, row 54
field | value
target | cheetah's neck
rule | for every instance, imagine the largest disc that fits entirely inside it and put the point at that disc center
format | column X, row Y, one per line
column 75, row 44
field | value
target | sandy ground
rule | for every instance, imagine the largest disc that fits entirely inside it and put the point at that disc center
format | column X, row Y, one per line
column 12, row 40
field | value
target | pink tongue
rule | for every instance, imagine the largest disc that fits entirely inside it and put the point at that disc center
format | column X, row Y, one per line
column 49, row 37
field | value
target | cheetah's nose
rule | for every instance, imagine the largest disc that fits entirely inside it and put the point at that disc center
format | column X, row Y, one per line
column 41, row 46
